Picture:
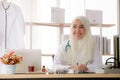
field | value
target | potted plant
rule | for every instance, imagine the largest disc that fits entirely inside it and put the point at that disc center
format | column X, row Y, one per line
column 9, row 60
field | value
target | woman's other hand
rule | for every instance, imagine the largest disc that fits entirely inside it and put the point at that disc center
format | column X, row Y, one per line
column 81, row 68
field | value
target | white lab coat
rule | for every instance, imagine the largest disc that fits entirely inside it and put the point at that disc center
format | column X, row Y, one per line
column 15, row 27
column 62, row 58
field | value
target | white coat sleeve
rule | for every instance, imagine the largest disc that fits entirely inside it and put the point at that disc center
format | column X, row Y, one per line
column 96, row 63
column 59, row 62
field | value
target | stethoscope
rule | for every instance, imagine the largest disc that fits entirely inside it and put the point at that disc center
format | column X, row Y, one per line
column 5, row 22
column 67, row 45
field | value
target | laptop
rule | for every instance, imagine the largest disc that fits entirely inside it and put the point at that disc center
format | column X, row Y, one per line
column 31, row 57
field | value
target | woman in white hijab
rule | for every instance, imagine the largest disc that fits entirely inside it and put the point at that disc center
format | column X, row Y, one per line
column 79, row 52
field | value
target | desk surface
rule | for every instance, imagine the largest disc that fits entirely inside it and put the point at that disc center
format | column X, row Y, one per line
column 60, row 76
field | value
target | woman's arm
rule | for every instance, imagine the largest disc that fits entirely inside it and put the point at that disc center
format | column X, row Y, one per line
column 59, row 62
column 97, row 62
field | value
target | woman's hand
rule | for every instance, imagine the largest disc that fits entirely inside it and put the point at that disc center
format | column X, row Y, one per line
column 81, row 68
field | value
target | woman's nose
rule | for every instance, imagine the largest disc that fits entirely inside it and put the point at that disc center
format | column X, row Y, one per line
column 78, row 30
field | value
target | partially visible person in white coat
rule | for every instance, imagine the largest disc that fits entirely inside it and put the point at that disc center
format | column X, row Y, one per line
column 79, row 52
column 12, row 26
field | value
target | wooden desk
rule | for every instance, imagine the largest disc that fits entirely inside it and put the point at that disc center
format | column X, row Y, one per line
column 58, row 76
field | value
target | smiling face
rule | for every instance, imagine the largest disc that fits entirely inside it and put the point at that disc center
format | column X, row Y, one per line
column 78, row 29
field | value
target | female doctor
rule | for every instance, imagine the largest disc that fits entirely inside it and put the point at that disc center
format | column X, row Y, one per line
column 79, row 52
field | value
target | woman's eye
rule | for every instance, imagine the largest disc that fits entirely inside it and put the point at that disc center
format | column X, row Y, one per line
column 81, row 26
column 74, row 26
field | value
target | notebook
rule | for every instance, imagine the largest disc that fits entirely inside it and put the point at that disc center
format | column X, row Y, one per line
column 31, row 57
column 95, row 16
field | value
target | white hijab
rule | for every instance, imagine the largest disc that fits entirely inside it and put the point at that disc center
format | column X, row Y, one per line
column 82, row 49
